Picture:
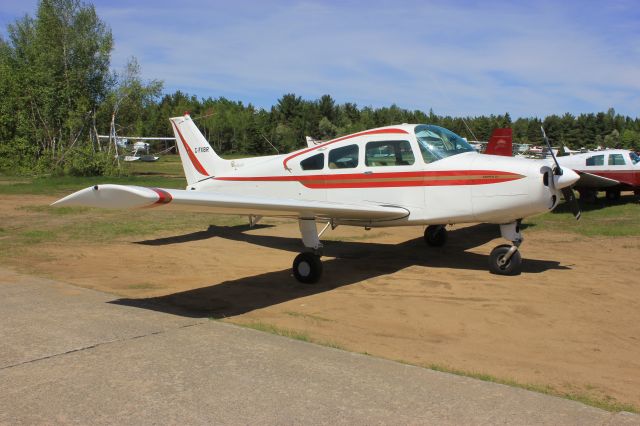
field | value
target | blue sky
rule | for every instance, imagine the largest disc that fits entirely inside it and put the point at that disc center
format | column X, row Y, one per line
column 457, row 57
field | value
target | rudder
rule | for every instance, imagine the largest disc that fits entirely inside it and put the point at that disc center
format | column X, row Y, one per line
column 199, row 160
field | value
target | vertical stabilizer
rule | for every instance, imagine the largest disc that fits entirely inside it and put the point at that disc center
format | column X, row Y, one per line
column 500, row 142
column 199, row 160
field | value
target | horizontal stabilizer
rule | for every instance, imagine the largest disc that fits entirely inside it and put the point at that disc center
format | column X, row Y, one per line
column 131, row 197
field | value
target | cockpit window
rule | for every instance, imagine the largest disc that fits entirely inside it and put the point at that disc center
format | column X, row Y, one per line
column 437, row 143
column 345, row 157
column 635, row 158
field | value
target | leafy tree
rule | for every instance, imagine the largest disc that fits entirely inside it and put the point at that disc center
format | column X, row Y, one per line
column 55, row 74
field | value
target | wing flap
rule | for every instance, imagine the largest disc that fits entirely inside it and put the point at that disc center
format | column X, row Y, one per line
column 132, row 197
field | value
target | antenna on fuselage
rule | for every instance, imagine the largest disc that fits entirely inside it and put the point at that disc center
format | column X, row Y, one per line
column 269, row 142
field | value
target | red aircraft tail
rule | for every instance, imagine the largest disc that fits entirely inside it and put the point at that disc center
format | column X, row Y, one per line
column 500, row 143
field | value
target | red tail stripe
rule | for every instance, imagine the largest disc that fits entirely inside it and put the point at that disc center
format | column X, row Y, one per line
column 192, row 156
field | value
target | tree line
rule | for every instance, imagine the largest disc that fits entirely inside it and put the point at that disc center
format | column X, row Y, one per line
column 58, row 93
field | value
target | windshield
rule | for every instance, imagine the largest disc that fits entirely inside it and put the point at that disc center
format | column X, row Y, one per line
column 437, row 142
column 635, row 158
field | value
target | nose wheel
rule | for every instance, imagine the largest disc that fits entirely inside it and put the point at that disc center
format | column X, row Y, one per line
column 505, row 259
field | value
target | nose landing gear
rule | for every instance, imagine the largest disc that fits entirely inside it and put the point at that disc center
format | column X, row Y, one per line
column 307, row 266
column 505, row 259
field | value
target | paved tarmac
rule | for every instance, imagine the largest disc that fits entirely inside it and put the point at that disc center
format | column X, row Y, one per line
column 68, row 356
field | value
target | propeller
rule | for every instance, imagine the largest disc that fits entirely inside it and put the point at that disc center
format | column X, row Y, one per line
column 567, row 192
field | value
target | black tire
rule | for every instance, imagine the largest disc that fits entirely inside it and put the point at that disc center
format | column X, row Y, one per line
column 512, row 267
column 588, row 195
column 435, row 235
column 613, row 194
column 307, row 268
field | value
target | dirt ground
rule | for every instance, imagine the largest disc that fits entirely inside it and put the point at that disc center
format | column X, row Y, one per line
column 571, row 320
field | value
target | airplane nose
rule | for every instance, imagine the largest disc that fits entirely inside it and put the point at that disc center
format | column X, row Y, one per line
column 566, row 179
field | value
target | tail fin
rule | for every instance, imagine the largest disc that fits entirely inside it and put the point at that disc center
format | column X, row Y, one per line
column 500, row 142
column 199, row 160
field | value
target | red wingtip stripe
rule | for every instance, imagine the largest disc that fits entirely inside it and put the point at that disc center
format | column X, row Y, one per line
column 192, row 156
column 163, row 196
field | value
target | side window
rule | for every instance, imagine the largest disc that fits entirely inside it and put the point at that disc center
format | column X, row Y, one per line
column 616, row 160
column 315, row 162
column 389, row 153
column 596, row 160
column 344, row 158
column 635, row 158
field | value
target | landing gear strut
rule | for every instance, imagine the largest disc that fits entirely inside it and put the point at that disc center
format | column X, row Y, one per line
column 435, row 235
column 307, row 266
column 505, row 259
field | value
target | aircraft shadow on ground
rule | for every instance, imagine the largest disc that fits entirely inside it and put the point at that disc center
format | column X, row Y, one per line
column 352, row 262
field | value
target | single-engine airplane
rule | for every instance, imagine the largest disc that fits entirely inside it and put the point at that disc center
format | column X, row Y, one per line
column 610, row 170
column 390, row 176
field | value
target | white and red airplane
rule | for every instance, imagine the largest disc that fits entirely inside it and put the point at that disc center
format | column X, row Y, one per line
column 390, row 176
column 610, row 170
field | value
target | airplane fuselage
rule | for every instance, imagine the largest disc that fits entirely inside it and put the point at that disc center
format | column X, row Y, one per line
column 461, row 188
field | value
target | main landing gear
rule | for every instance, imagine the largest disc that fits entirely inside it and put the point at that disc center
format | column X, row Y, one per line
column 505, row 259
column 435, row 235
column 307, row 266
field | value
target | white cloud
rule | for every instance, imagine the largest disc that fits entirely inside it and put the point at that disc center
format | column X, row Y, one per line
column 459, row 59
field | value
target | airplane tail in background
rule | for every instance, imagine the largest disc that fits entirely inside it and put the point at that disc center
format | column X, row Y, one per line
column 500, row 143
column 199, row 160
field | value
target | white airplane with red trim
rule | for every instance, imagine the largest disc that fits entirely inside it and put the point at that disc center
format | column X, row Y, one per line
column 398, row 175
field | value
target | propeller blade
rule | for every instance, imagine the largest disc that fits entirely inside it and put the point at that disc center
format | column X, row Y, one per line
column 558, row 170
column 570, row 198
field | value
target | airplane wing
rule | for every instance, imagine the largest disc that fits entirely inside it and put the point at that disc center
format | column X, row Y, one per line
column 131, row 197
column 588, row 180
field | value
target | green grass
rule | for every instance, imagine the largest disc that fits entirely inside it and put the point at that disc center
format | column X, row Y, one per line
column 44, row 224
column 67, row 184
column 285, row 332
column 167, row 165
column 605, row 402
column 306, row 316
column 613, row 219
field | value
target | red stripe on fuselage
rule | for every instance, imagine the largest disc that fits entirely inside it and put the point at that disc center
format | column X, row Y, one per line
column 192, row 156
column 387, row 180
column 368, row 132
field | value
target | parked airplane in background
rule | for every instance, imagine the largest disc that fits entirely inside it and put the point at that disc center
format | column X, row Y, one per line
column 390, row 176
column 611, row 170
column 500, row 142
